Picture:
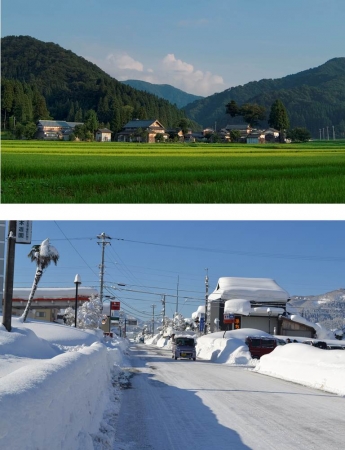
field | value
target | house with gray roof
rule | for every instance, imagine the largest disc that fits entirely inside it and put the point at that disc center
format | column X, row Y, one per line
column 103, row 135
column 55, row 129
column 141, row 131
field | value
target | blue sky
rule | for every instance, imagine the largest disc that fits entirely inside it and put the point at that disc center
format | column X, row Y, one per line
column 198, row 46
column 304, row 257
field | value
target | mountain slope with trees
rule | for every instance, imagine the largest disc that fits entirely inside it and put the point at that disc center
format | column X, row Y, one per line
column 173, row 95
column 70, row 87
column 314, row 99
column 327, row 309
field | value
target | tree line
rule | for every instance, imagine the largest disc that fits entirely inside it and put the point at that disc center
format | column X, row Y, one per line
column 253, row 114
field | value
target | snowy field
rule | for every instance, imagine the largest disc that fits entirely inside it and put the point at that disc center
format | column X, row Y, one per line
column 60, row 388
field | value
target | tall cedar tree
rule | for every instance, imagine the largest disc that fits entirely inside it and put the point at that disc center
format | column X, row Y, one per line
column 279, row 118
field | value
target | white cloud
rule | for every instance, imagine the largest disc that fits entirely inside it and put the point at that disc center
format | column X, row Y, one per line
column 169, row 70
column 123, row 61
column 185, row 77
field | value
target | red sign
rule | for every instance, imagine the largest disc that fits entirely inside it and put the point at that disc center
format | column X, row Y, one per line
column 229, row 318
column 115, row 306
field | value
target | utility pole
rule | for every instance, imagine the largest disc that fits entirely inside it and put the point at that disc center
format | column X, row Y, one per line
column 103, row 243
column 206, row 303
column 333, row 133
column 8, row 288
column 320, row 134
column 178, row 280
column 163, row 311
column 327, row 134
column 153, row 319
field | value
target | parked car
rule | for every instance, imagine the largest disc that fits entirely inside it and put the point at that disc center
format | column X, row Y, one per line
column 318, row 344
column 183, row 347
column 260, row 345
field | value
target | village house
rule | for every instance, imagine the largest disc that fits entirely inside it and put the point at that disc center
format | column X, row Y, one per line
column 141, row 131
column 103, row 135
column 258, row 303
column 256, row 137
column 55, row 129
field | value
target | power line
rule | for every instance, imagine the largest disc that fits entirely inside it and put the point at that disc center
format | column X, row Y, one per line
column 242, row 253
column 230, row 252
column 69, row 241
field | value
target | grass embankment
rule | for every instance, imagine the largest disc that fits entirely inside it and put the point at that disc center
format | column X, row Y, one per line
column 64, row 172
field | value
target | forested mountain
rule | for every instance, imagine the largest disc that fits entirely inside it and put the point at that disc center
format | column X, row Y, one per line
column 70, row 86
column 170, row 93
column 314, row 99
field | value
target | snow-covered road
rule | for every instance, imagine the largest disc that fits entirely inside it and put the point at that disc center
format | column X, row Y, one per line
column 177, row 405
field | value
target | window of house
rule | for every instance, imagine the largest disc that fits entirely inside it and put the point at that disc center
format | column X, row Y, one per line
column 40, row 314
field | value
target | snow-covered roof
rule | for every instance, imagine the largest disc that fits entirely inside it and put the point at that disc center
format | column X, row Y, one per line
column 23, row 293
column 199, row 312
column 253, row 289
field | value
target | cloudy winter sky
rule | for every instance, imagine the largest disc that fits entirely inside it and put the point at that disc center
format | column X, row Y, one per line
column 199, row 46
column 156, row 257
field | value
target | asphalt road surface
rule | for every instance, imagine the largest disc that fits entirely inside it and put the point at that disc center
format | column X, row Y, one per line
column 177, row 405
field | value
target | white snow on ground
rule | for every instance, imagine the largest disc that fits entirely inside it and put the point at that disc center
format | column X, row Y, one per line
column 60, row 388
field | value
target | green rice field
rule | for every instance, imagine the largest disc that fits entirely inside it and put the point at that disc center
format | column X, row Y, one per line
column 81, row 172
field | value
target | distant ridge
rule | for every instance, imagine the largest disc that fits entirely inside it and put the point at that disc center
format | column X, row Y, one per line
column 170, row 93
column 327, row 309
column 314, row 98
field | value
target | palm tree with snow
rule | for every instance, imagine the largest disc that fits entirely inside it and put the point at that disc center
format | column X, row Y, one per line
column 43, row 255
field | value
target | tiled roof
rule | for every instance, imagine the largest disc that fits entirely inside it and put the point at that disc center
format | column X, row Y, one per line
column 58, row 123
column 139, row 123
column 104, row 130
column 237, row 127
column 53, row 123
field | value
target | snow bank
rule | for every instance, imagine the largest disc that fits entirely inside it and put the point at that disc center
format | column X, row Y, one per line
column 24, row 343
column 307, row 365
column 35, row 396
column 225, row 348
column 54, row 387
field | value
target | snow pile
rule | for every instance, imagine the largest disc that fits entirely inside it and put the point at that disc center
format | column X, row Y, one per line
column 56, row 389
column 226, row 348
column 238, row 306
column 296, row 362
column 307, row 365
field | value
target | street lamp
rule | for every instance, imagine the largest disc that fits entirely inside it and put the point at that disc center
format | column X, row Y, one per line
column 77, row 281
column 269, row 312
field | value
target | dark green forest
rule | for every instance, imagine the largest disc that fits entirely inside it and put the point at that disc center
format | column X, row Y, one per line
column 314, row 99
column 42, row 80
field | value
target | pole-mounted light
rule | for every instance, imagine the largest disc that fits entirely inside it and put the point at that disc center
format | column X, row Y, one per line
column 77, row 281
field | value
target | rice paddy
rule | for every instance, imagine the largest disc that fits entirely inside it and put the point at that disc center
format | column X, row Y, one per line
column 82, row 172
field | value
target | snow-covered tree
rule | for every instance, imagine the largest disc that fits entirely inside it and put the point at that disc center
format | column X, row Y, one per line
column 90, row 315
column 43, row 255
column 69, row 316
column 179, row 323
